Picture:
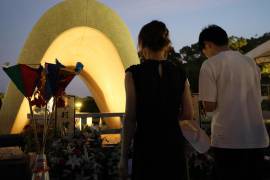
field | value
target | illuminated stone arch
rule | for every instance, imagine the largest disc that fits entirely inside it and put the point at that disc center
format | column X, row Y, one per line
column 77, row 30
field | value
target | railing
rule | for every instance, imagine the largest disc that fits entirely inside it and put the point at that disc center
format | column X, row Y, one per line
column 97, row 119
column 89, row 119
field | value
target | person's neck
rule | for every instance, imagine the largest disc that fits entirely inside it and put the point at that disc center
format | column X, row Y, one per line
column 220, row 49
column 159, row 56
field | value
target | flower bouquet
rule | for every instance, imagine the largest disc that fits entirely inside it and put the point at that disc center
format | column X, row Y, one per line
column 83, row 156
column 40, row 84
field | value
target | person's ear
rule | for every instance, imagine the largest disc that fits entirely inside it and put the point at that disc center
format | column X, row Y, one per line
column 144, row 52
column 207, row 44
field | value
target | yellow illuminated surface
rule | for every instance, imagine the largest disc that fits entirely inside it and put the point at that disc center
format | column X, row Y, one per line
column 111, row 138
column 78, row 105
column 78, row 123
column 90, row 33
column 103, row 71
column 89, row 121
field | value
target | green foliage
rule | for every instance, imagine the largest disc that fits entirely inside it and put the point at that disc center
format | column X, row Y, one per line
column 254, row 42
column 265, row 68
column 193, row 60
column 88, row 105
column 193, row 70
column 237, row 43
column 245, row 45
column 174, row 56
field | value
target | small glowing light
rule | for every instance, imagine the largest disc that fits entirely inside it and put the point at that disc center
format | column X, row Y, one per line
column 78, row 105
column 50, row 105
column 89, row 121
column 78, row 123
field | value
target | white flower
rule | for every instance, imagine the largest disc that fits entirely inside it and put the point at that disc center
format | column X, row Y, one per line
column 73, row 161
column 56, row 143
column 70, row 149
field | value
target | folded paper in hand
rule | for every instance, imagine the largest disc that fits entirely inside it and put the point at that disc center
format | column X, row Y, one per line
column 195, row 135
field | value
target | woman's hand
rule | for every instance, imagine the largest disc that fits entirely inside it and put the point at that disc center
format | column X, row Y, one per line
column 190, row 130
column 187, row 124
column 123, row 168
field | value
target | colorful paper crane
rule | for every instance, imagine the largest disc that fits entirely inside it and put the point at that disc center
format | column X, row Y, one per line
column 58, row 77
column 24, row 77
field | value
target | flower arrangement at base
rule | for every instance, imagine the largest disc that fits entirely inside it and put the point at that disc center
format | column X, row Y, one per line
column 81, row 157
column 39, row 85
column 200, row 166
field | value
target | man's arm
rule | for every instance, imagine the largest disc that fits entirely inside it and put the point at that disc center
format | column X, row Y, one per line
column 207, row 88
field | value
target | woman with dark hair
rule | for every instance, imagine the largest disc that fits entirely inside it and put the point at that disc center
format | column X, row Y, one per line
column 157, row 99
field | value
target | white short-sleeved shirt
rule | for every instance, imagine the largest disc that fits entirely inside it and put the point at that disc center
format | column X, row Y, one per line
column 232, row 80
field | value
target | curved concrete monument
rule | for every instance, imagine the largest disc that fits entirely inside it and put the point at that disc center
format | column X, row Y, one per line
column 77, row 30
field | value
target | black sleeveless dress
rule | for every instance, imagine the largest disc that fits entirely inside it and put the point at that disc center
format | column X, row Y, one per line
column 158, row 152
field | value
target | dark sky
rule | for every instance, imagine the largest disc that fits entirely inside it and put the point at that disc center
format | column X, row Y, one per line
column 184, row 18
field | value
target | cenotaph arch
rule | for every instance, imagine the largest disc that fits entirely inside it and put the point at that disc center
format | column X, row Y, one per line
column 71, row 31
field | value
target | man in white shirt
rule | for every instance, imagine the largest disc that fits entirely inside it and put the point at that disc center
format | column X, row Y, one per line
column 229, row 86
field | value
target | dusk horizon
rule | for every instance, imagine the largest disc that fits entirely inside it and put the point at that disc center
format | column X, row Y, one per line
column 184, row 19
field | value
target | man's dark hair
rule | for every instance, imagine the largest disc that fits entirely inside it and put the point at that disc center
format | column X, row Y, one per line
column 214, row 34
column 154, row 36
